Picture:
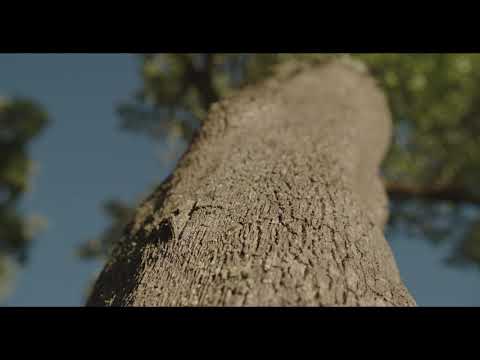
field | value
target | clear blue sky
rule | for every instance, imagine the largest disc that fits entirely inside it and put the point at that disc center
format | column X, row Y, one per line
column 84, row 159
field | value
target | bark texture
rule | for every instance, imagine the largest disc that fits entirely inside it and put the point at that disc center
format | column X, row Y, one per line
column 278, row 201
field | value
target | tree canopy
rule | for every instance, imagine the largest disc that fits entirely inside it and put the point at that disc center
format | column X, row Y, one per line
column 21, row 120
column 430, row 171
column 431, row 168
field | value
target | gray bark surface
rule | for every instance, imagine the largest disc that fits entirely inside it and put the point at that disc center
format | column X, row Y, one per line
column 278, row 201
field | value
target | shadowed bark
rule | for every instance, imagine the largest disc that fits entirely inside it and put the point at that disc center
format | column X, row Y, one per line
column 278, row 201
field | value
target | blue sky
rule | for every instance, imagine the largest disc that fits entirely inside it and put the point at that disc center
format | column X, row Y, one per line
column 83, row 159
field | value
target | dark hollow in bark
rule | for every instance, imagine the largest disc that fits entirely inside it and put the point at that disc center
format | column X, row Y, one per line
column 278, row 201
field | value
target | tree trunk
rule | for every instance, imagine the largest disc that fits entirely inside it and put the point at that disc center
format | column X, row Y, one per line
column 278, row 201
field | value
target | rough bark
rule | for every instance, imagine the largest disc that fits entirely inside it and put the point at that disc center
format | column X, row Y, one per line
column 278, row 201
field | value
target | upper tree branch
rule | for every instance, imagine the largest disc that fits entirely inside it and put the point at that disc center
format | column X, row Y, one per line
column 454, row 194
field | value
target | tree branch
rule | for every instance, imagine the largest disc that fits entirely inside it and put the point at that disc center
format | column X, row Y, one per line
column 454, row 194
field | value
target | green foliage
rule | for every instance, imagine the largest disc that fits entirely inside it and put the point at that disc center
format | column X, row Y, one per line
column 179, row 88
column 20, row 121
column 435, row 97
column 7, row 275
column 434, row 100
